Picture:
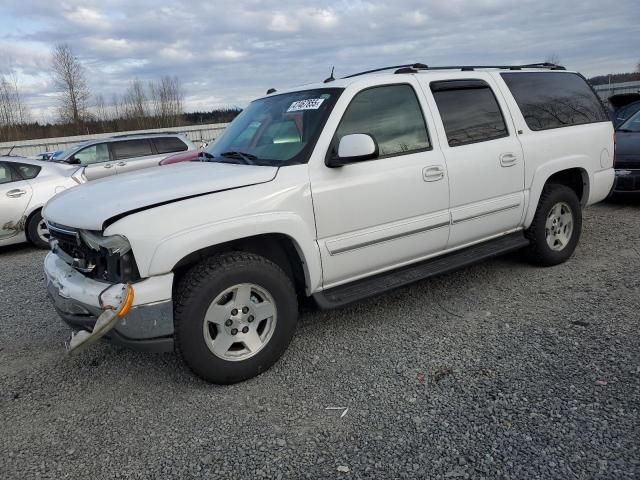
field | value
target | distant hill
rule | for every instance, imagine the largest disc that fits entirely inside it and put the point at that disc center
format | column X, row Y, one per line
column 615, row 78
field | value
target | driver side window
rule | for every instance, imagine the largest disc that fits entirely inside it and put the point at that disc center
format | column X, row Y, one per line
column 391, row 115
column 94, row 154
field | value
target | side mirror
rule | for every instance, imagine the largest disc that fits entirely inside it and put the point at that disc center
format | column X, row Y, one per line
column 73, row 161
column 356, row 147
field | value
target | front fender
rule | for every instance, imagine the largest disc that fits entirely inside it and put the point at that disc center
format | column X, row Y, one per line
column 177, row 246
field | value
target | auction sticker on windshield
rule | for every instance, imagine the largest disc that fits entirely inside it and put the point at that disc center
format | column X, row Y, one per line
column 308, row 104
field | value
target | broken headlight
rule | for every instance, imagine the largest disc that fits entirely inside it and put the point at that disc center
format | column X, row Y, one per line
column 114, row 244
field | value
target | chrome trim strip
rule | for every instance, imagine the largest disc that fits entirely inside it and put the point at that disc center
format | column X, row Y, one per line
column 388, row 238
column 484, row 214
column 55, row 228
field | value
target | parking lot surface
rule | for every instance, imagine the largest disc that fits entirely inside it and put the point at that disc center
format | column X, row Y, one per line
column 501, row 370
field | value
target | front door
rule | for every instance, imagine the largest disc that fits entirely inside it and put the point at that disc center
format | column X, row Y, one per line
column 96, row 160
column 378, row 214
column 484, row 158
column 15, row 194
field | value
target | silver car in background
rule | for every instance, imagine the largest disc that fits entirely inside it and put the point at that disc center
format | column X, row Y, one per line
column 120, row 154
column 25, row 186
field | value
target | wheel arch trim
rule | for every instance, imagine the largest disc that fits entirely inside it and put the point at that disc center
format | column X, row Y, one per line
column 545, row 172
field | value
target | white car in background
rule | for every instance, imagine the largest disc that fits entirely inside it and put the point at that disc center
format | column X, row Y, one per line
column 25, row 186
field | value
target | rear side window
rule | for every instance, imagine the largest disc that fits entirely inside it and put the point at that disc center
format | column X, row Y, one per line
column 554, row 99
column 469, row 111
column 390, row 114
column 28, row 171
column 131, row 148
column 6, row 174
column 169, row 145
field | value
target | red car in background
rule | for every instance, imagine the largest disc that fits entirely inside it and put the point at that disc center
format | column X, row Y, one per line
column 188, row 156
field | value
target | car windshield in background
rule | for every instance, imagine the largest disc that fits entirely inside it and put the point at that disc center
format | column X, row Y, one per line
column 631, row 125
column 65, row 154
column 277, row 130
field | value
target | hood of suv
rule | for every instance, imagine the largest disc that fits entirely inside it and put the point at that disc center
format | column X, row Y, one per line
column 91, row 205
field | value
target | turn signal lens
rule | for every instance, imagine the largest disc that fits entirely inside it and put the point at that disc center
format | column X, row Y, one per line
column 128, row 302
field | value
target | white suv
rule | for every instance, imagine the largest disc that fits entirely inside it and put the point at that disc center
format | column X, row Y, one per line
column 339, row 190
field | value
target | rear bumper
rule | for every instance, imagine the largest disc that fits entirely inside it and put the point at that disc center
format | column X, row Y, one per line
column 627, row 181
column 149, row 324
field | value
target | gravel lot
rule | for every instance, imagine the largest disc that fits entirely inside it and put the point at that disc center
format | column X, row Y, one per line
column 500, row 370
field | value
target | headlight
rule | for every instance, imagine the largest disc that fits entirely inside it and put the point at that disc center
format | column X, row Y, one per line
column 115, row 244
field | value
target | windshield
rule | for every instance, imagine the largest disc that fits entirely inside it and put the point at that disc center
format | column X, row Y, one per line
column 632, row 124
column 276, row 130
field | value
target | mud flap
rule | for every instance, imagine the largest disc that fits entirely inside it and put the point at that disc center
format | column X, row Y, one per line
column 116, row 302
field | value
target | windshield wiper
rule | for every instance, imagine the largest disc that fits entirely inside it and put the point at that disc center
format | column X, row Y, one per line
column 625, row 130
column 205, row 156
column 247, row 157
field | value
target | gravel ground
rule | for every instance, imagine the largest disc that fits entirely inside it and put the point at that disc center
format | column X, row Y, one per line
column 500, row 370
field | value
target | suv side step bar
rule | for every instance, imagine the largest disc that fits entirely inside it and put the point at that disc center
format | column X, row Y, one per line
column 368, row 287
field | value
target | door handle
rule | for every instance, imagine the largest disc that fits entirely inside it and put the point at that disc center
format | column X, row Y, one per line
column 121, row 164
column 432, row 174
column 16, row 193
column 109, row 165
column 508, row 159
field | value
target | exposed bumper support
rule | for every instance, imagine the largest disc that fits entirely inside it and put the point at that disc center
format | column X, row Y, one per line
column 148, row 325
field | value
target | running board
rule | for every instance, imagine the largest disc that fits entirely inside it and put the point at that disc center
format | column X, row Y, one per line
column 368, row 287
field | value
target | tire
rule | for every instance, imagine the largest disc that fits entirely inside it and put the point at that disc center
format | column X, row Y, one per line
column 552, row 242
column 217, row 289
column 35, row 233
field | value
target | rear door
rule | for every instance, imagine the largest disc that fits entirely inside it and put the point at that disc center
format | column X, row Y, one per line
column 15, row 195
column 131, row 155
column 484, row 158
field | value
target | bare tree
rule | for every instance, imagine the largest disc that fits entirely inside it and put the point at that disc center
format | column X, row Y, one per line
column 167, row 101
column 553, row 58
column 70, row 78
column 13, row 111
column 135, row 104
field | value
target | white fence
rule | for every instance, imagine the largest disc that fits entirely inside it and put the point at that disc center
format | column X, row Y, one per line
column 196, row 133
column 606, row 91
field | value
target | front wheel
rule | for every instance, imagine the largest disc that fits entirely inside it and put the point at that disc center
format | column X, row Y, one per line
column 37, row 231
column 235, row 315
column 556, row 226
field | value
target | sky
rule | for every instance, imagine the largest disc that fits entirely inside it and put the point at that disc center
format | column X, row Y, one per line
column 228, row 52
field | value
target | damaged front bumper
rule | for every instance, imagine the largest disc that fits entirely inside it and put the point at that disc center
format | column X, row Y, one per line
column 139, row 316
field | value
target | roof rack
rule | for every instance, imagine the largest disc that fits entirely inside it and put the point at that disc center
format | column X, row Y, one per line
column 416, row 67
column 139, row 134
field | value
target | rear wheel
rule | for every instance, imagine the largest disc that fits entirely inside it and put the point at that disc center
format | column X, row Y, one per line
column 37, row 231
column 235, row 315
column 556, row 226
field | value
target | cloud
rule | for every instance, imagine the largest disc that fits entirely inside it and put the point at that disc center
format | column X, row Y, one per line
column 227, row 52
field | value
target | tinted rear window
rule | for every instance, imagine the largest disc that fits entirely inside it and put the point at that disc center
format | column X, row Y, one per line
column 131, row 148
column 554, row 99
column 169, row 144
column 469, row 110
column 28, row 171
